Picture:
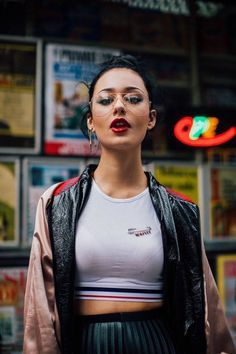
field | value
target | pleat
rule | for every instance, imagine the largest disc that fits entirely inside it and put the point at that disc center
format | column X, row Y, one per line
column 83, row 335
column 134, row 344
column 129, row 337
column 168, row 339
column 102, row 338
column 119, row 343
column 153, row 346
column 159, row 336
column 164, row 337
column 90, row 344
column 144, row 345
column 147, row 337
column 110, row 338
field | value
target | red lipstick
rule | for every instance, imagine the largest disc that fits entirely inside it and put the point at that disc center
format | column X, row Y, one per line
column 119, row 125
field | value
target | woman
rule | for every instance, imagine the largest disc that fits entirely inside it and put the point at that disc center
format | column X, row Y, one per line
column 117, row 263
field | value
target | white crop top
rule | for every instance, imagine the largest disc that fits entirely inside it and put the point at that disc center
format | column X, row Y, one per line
column 119, row 250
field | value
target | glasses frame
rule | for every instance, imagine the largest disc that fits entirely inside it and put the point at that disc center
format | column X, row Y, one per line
column 117, row 94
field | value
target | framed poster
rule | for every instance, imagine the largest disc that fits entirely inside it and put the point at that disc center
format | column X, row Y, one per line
column 39, row 174
column 181, row 178
column 222, row 202
column 9, row 201
column 20, row 95
column 226, row 280
column 68, row 71
column 12, row 290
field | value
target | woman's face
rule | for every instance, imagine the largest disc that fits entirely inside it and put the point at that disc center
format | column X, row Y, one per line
column 120, row 110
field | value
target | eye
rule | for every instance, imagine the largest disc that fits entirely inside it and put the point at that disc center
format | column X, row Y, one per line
column 105, row 101
column 133, row 98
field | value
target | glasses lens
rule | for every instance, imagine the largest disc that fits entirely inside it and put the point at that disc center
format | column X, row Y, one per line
column 136, row 102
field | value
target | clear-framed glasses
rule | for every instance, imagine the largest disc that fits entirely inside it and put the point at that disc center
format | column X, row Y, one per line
column 135, row 101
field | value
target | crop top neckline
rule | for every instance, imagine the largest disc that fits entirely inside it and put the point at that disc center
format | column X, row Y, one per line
column 119, row 200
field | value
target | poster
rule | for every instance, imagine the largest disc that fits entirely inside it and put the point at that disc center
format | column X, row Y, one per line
column 68, row 71
column 223, row 202
column 12, row 289
column 9, row 188
column 181, row 179
column 39, row 175
column 7, row 325
column 226, row 280
column 19, row 98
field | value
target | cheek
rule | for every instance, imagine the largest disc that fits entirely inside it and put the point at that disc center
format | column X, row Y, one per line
column 101, row 127
column 98, row 122
column 142, row 122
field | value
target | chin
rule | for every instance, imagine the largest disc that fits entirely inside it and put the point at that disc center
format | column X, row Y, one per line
column 123, row 146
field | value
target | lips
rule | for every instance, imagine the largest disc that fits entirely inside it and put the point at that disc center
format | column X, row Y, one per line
column 119, row 125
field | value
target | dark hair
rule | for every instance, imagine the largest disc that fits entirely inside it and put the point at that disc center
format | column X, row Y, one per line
column 122, row 61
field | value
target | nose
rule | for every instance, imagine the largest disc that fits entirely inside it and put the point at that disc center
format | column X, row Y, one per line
column 119, row 106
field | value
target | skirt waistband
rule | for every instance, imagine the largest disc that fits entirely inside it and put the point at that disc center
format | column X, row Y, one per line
column 121, row 316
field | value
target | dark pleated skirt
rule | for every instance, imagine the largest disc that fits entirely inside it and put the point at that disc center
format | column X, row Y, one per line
column 124, row 333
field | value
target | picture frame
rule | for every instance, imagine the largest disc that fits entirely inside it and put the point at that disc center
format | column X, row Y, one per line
column 20, row 95
column 12, row 291
column 226, row 281
column 9, row 201
column 39, row 174
column 69, row 69
column 220, row 202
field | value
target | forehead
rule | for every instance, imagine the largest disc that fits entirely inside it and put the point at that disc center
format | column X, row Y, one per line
column 118, row 79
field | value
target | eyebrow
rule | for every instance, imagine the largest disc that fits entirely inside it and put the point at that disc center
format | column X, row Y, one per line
column 126, row 89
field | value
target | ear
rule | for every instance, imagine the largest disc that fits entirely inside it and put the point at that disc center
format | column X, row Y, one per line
column 152, row 119
column 90, row 124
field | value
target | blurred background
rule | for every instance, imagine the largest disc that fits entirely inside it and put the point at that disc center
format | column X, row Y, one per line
column 49, row 52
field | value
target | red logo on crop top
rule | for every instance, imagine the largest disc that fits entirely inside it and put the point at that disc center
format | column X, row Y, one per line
column 138, row 233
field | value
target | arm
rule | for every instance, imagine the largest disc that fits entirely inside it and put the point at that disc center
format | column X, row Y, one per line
column 218, row 337
column 41, row 323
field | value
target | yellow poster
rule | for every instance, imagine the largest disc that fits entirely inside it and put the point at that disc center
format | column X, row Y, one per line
column 226, row 280
column 8, row 196
column 17, row 105
column 181, row 179
column 17, row 93
column 223, row 202
column 12, row 289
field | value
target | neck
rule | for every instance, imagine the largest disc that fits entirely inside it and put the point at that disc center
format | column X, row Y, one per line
column 120, row 174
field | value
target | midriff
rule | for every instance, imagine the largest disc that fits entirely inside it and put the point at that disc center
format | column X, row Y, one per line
column 96, row 307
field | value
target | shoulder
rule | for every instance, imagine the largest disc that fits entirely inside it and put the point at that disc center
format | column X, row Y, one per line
column 57, row 189
column 172, row 195
column 183, row 207
column 185, row 214
column 47, row 195
column 179, row 203
column 68, row 184
column 178, row 196
column 64, row 186
column 180, row 200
